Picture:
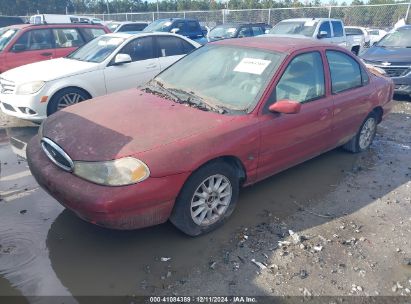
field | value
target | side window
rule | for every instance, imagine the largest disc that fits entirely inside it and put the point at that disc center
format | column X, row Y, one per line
column 257, row 30
column 193, row 27
column 139, row 49
column 67, row 38
column 172, row 46
column 303, row 80
column 325, row 26
column 345, row 71
column 338, row 29
column 245, row 32
column 91, row 33
column 36, row 40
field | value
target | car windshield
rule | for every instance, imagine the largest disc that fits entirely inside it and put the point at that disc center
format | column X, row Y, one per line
column 232, row 78
column 97, row 49
column 222, row 31
column 113, row 26
column 305, row 28
column 6, row 34
column 161, row 25
column 401, row 38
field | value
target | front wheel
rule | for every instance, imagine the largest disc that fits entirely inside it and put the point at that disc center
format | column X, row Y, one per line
column 365, row 135
column 207, row 199
column 66, row 97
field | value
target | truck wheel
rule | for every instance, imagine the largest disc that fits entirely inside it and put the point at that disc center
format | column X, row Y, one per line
column 66, row 97
column 207, row 199
column 365, row 135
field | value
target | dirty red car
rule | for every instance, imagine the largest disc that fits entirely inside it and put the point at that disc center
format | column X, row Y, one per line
column 226, row 116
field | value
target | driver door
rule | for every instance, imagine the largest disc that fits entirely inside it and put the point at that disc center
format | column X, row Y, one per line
column 144, row 66
column 288, row 139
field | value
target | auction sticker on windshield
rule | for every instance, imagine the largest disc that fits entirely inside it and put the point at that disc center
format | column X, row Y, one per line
column 252, row 66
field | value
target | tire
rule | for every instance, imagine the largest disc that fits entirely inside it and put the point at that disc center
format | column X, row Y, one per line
column 365, row 135
column 66, row 97
column 190, row 208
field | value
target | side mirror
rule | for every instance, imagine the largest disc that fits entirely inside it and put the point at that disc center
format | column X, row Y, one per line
column 285, row 106
column 175, row 30
column 322, row 34
column 122, row 59
column 18, row 48
column 267, row 31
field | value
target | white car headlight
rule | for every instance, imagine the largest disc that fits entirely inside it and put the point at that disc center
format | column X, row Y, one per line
column 29, row 87
column 119, row 172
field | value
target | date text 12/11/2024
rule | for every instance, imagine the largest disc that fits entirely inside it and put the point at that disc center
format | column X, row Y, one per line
column 203, row 299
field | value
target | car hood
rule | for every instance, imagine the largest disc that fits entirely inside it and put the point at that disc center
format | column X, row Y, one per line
column 401, row 56
column 124, row 124
column 49, row 70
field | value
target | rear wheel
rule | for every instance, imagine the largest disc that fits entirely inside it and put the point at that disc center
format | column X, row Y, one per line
column 365, row 135
column 66, row 97
column 207, row 199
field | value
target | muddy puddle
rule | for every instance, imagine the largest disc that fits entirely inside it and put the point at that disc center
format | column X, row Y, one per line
column 46, row 250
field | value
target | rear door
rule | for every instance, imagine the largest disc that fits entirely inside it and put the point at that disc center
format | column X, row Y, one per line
column 32, row 46
column 66, row 40
column 170, row 49
column 352, row 94
column 144, row 66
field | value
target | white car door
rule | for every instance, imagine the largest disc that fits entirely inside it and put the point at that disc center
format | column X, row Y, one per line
column 143, row 66
column 171, row 49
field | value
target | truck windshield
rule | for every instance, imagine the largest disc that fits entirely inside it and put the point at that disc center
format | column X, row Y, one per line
column 401, row 38
column 305, row 28
column 6, row 34
column 231, row 78
column 161, row 25
column 97, row 50
column 223, row 31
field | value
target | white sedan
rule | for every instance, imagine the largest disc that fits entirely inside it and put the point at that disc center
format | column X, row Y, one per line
column 107, row 64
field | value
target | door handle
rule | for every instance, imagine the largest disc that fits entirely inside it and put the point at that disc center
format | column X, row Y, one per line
column 46, row 54
column 151, row 66
column 324, row 112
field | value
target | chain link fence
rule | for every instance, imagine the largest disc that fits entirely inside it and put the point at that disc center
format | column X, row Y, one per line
column 381, row 16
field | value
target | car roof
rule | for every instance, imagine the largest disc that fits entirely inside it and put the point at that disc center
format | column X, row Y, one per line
column 129, row 22
column 277, row 44
column 26, row 25
column 128, row 35
column 310, row 19
column 227, row 24
column 173, row 19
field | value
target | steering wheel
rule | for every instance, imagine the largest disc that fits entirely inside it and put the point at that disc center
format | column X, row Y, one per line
column 289, row 89
column 247, row 85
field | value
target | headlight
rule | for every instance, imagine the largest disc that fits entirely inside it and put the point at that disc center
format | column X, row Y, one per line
column 119, row 172
column 29, row 87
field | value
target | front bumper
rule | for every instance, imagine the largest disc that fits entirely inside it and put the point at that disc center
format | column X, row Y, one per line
column 26, row 107
column 127, row 207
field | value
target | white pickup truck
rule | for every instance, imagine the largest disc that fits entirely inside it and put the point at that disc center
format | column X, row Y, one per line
column 326, row 29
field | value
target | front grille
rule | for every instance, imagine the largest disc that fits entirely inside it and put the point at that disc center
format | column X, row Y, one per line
column 395, row 71
column 8, row 107
column 57, row 154
column 7, row 86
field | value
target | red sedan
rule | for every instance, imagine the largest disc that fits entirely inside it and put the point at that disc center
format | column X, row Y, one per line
column 227, row 115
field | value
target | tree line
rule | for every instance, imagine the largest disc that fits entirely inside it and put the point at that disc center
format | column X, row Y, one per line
column 29, row 7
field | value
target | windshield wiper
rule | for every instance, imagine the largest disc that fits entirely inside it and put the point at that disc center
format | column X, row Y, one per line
column 196, row 101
